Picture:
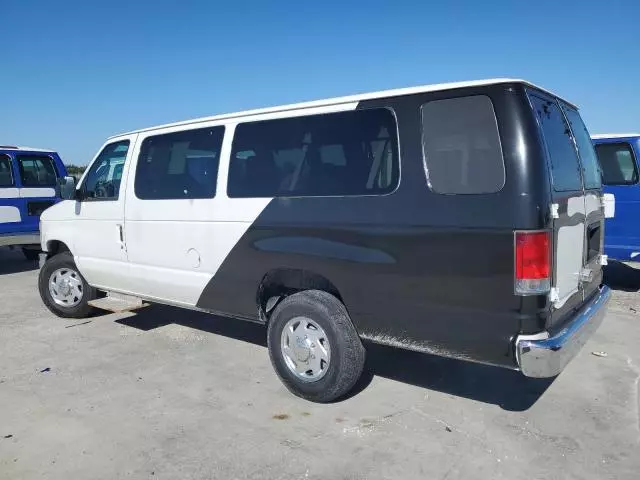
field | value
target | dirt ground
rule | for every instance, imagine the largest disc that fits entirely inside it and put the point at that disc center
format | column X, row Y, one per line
column 172, row 394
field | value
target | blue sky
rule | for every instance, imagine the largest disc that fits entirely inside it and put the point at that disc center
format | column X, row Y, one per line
column 80, row 71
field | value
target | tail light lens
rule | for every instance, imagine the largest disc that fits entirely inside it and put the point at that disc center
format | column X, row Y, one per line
column 533, row 263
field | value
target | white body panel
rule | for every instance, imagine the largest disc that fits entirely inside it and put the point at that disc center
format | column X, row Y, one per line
column 27, row 192
column 569, row 261
column 37, row 192
column 570, row 253
column 614, row 135
column 592, row 203
column 609, row 201
column 9, row 214
column 9, row 193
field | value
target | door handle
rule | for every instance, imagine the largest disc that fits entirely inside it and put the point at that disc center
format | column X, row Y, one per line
column 121, row 236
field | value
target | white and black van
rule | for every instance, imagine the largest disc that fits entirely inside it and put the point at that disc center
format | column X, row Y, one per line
column 461, row 219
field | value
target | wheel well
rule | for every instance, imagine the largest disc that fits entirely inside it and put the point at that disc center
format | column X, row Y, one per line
column 282, row 282
column 55, row 247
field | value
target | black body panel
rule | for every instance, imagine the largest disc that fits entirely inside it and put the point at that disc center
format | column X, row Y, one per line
column 414, row 268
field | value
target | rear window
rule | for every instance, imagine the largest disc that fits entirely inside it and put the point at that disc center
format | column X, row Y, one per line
column 37, row 171
column 565, row 166
column 461, row 146
column 590, row 166
column 334, row 154
column 618, row 163
column 6, row 175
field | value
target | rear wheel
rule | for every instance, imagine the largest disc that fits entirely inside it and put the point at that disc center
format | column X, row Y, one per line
column 63, row 290
column 314, row 346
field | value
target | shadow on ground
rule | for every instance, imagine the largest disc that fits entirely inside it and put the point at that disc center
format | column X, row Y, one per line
column 12, row 261
column 620, row 276
column 508, row 389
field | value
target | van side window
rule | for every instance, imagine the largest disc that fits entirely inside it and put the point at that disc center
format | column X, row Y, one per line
column 6, row 174
column 590, row 166
column 461, row 146
column 179, row 165
column 37, row 171
column 103, row 178
column 565, row 167
column 334, row 154
column 618, row 163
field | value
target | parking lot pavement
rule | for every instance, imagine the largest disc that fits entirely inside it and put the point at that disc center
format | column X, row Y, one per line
column 172, row 394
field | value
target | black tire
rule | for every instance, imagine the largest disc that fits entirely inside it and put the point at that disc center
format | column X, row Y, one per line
column 30, row 254
column 347, row 352
column 82, row 309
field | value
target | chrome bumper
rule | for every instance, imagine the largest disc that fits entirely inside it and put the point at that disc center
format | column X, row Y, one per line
column 543, row 356
column 22, row 239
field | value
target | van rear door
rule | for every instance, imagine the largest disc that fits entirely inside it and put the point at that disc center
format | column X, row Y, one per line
column 576, row 268
column 591, row 276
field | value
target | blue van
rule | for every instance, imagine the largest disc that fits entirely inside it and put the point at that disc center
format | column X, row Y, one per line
column 28, row 185
column 618, row 155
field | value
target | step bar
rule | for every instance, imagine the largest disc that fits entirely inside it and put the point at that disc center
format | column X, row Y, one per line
column 118, row 303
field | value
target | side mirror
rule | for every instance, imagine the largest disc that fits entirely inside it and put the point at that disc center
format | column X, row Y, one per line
column 67, row 188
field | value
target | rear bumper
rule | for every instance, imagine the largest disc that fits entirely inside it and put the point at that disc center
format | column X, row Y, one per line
column 20, row 239
column 543, row 356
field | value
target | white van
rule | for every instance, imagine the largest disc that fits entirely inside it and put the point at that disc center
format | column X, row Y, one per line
column 460, row 219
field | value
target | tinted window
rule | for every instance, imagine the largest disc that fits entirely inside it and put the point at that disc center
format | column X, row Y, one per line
column 590, row 166
column 565, row 167
column 618, row 164
column 103, row 178
column 179, row 165
column 336, row 154
column 37, row 171
column 461, row 146
column 6, row 176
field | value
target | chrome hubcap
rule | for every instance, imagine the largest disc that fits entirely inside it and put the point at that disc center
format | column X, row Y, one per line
column 305, row 348
column 65, row 287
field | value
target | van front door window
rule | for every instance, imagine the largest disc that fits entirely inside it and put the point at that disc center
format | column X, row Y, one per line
column 103, row 178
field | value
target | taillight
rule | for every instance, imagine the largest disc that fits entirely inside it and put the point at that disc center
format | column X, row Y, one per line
column 533, row 263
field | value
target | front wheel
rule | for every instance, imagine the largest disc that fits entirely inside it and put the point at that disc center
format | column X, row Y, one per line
column 314, row 347
column 63, row 290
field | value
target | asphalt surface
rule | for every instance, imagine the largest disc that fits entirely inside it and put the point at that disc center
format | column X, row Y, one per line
column 172, row 394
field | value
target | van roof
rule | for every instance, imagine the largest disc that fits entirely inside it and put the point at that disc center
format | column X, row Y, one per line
column 26, row 149
column 614, row 135
column 347, row 99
